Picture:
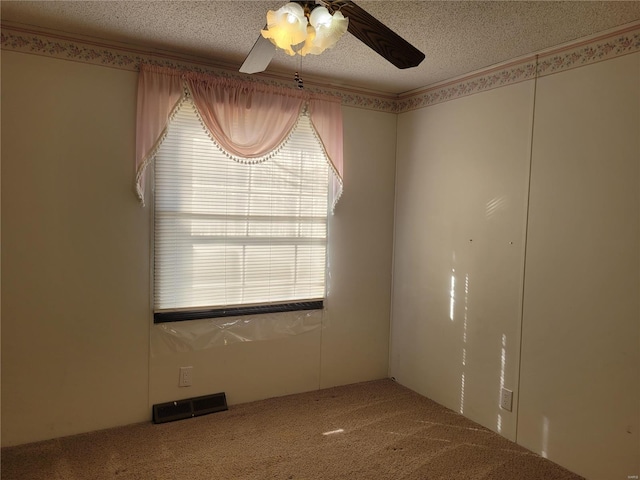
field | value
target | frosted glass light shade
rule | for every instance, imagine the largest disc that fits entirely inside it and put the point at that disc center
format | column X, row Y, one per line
column 286, row 27
column 327, row 30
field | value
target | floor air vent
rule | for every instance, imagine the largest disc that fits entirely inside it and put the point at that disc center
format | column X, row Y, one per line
column 189, row 407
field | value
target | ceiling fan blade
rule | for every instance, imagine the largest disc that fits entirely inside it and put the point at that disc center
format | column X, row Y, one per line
column 259, row 57
column 381, row 38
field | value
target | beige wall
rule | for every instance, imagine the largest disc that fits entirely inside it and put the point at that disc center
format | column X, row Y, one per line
column 460, row 221
column 355, row 343
column 462, row 175
column 579, row 385
column 75, row 265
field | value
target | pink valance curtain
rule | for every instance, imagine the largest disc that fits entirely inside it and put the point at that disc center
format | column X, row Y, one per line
column 246, row 119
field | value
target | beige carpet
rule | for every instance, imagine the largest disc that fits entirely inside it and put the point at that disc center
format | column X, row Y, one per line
column 381, row 430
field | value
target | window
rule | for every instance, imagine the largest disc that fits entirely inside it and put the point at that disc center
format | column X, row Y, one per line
column 232, row 235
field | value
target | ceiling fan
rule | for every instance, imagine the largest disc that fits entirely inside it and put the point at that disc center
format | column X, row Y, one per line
column 361, row 24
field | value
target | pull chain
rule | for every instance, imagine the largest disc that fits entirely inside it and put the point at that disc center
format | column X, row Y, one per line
column 296, row 78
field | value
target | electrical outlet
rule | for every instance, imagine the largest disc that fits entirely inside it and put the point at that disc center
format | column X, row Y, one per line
column 186, row 376
column 506, row 399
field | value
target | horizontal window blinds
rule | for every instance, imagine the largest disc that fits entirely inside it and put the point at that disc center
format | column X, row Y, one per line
column 228, row 233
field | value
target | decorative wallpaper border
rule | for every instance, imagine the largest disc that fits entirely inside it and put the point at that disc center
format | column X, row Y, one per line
column 573, row 55
column 480, row 82
column 585, row 53
column 36, row 42
column 559, row 59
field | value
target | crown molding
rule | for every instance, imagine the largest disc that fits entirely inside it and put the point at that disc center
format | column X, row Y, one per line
column 614, row 43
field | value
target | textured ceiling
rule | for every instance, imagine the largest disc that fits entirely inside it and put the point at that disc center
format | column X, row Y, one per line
column 457, row 37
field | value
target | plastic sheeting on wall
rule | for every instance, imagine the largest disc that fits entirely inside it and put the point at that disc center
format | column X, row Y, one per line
column 190, row 336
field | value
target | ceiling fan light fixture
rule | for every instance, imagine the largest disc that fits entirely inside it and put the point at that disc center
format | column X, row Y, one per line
column 328, row 28
column 320, row 16
column 328, row 25
column 308, row 46
column 286, row 27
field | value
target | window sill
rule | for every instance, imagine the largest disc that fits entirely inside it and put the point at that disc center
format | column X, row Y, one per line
column 185, row 315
